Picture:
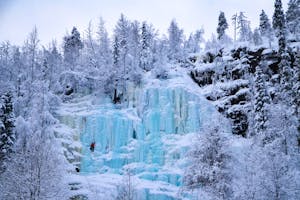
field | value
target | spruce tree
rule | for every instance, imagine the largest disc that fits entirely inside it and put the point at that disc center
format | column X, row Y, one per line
column 7, row 133
column 260, row 103
column 72, row 47
column 175, row 42
column 116, row 52
column 222, row 25
column 146, row 55
column 278, row 17
column 121, row 49
column 286, row 75
column 293, row 16
column 264, row 24
column 257, row 37
column 265, row 27
column 296, row 92
column 279, row 26
column 114, row 85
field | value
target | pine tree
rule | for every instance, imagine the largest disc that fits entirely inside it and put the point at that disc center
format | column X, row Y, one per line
column 260, row 104
column 222, row 25
column 7, row 133
column 293, row 16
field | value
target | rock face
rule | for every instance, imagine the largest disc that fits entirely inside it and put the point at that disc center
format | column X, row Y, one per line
column 226, row 81
column 150, row 133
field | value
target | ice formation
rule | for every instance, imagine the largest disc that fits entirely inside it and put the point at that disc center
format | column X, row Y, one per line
column 149, row 134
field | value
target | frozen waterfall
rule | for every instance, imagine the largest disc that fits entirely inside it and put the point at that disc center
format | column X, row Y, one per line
column 149, row 135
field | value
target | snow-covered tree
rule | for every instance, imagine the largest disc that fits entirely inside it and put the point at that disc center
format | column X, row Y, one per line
column 192, row 44
column 243, row 25
column 90, row 61
column 7, row 131
column 5, row 64
column 36, row 165
column 35, row 168
column 222, row 25
column 53, row 59
column 213, row 45
column 160, row 52
column 286, row 75
column 270, row 171
column 121, row 32
column 134, row 46
column 134, row 50
column 264, row 24
column 280, row 179
column 209, row 160
column 32, row 47
column 278, row 17
column 104, row 54
column 257, row 37
column 147, row 40
column 261, row 101
column 17, row 63
column 293, row 16
column 296, row 92
column 234, row 19
column 267, row 173
column 116, row 83
column 265, row 27
column 121, row 45
column 175, row 41
column 279, row 26
column 72, row 46
column 126, row 189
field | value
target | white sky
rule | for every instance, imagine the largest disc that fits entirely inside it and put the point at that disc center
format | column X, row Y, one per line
column 54, row 18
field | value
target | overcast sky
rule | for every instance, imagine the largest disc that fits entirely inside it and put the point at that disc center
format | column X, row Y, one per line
column 54, row 18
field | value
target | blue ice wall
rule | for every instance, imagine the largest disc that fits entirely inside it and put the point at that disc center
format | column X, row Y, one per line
column 150, row 134
column 134, row 135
